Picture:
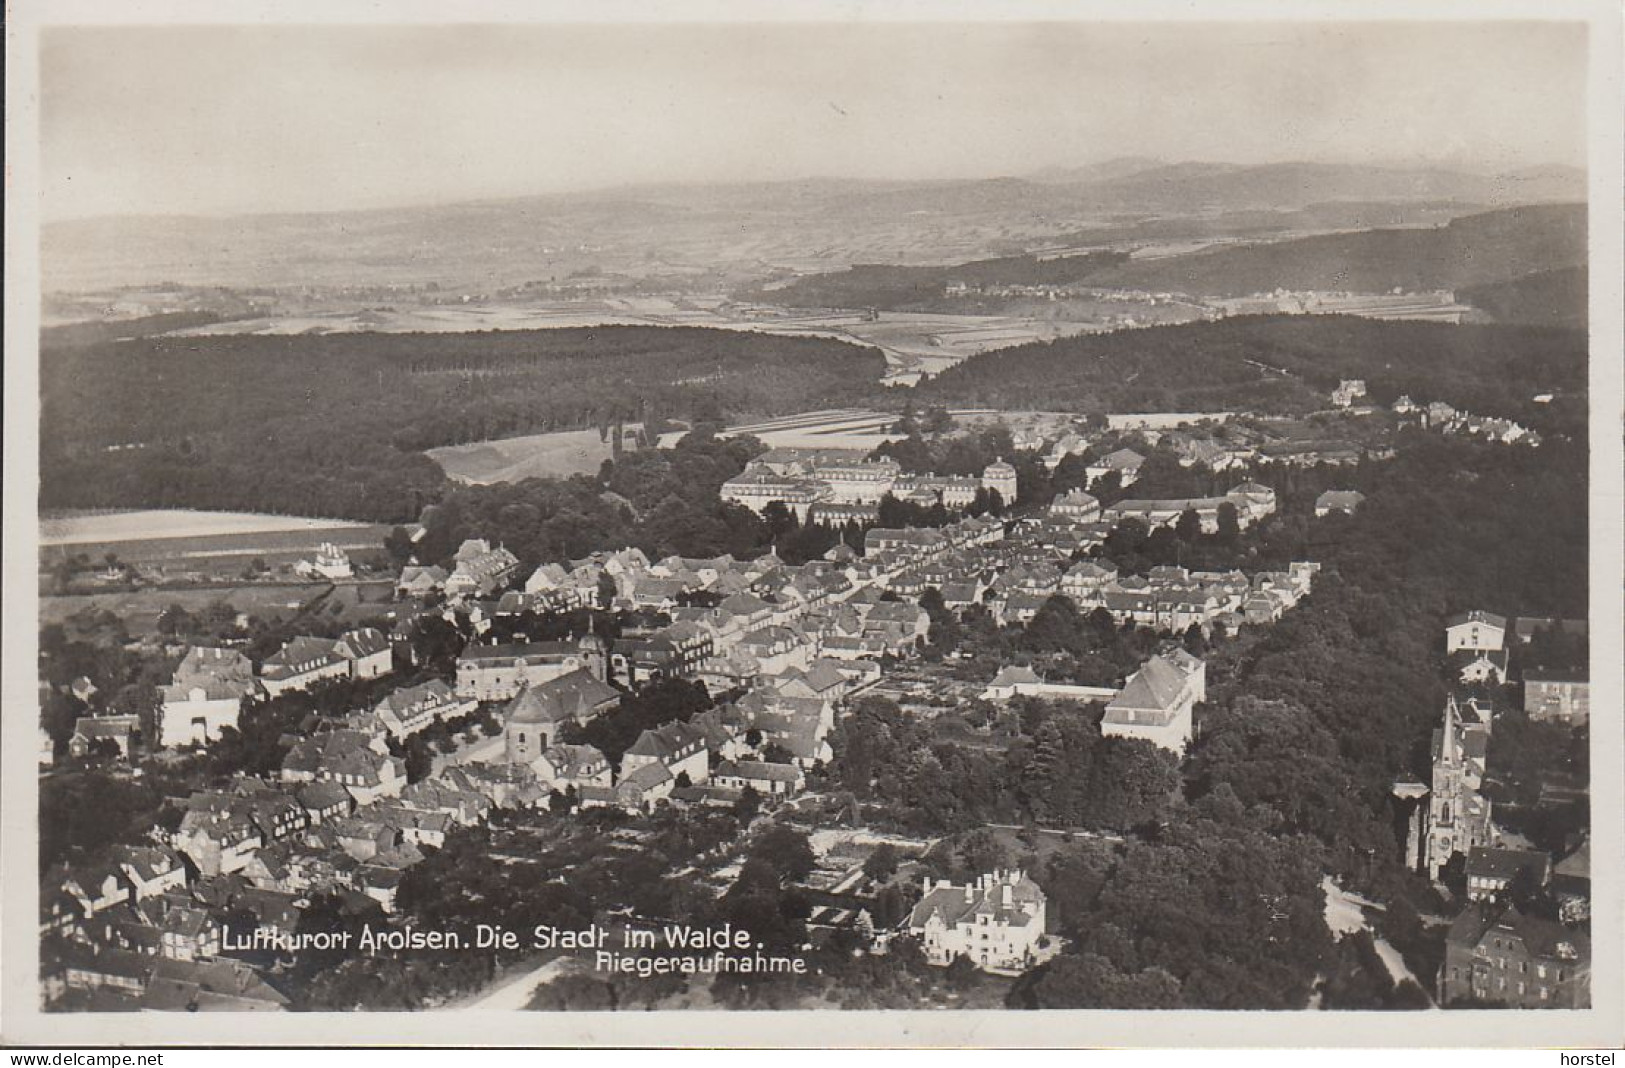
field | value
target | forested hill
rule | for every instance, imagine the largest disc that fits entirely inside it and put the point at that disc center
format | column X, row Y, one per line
column 335, row 425
column 1495, row 246
column 1548, row 298
column 906, row 288
column 1272, row 364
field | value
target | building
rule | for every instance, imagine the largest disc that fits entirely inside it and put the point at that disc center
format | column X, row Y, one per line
column 563, row 766
column 205, row 694
column 302, row 663
column 1484, row 667
column 368, row 651
column 532, row 722
column 1250, row 501
column 1158, row 701
column 1490, row 869
column 411, row 709
column 1475, row 630
column 90, row 732
column 331, row 563
column 1458, row 815
column 1076, row 505
column 1000, row 477
column 479, row 570
column 499, row 672
column 1126, row 462
column 1345, row 501
column 1508, row 959
column 995, row 922
column 1564, row 696
column 769, row 780
column 1348, row 391
column 419, row 581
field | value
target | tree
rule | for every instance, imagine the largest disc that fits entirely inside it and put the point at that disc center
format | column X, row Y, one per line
column 786, row 851
column 1188, row 527
column 881, row 864
column 748, row 805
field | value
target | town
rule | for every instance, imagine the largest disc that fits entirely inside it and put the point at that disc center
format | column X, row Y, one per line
column 740, row 726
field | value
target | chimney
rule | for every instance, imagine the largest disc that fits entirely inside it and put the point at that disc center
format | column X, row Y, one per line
column 1004, row 896
column 970, row 893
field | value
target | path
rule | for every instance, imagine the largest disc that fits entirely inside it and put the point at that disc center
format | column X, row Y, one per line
column 1345, row 914
column 515, row 994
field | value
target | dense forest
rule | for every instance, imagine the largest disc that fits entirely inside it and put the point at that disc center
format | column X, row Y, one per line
column 1546, row 298
column 1273, row 364
column 662, row 501
column 334, row 425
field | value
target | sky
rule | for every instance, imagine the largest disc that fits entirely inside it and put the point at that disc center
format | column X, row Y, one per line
column 213, row 120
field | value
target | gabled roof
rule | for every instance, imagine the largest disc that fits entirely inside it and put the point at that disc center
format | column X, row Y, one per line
column 1155, row 687
column 574, row 695
column 1475, row 616
column 1013, row 675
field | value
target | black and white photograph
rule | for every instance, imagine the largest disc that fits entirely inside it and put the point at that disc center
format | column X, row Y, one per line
column 891, row 513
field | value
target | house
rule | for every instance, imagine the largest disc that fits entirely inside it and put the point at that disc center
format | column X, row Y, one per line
column 499, row 672
column 1076, row 505
column 150, row 870
column 533, row 720
column 205, row 694
column 994, row 922
column 218, row 843
column 368, row 652
column 563, row 766
column 359, row 762
column 479, row 570
column 301, row 663
column 410, row 709
column 1484, row 666
column 1348, row 391
column 1563, row 696
column 420, row 581
column 1345, row 501
column 1125, row 462
column 92, row 732
column 1504, row 958
column 1475, row 630
column 678, row 746
column 220, row 985
column 1491, row 870
column 324, row 801
column 1526, row 627
column 643, row 786
column 770, row 780
column 1158, row 700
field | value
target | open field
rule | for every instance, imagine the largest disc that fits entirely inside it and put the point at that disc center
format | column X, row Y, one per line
column 913, row 343
column 200, row 541
column 112, row 528
column 556, row 455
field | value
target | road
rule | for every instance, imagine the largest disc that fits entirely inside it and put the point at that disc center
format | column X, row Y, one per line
column 1060, row 832
column 514, row 994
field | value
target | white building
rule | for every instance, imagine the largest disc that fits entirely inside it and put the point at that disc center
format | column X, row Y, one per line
column 1158, row 701
column 1475, row 631
column 995, row 922
column 205, row 694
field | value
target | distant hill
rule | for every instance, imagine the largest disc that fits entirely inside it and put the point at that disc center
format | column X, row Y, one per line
column 1286, row 364
column 1544, row 298
column 1474, row 250
column 736, row 231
